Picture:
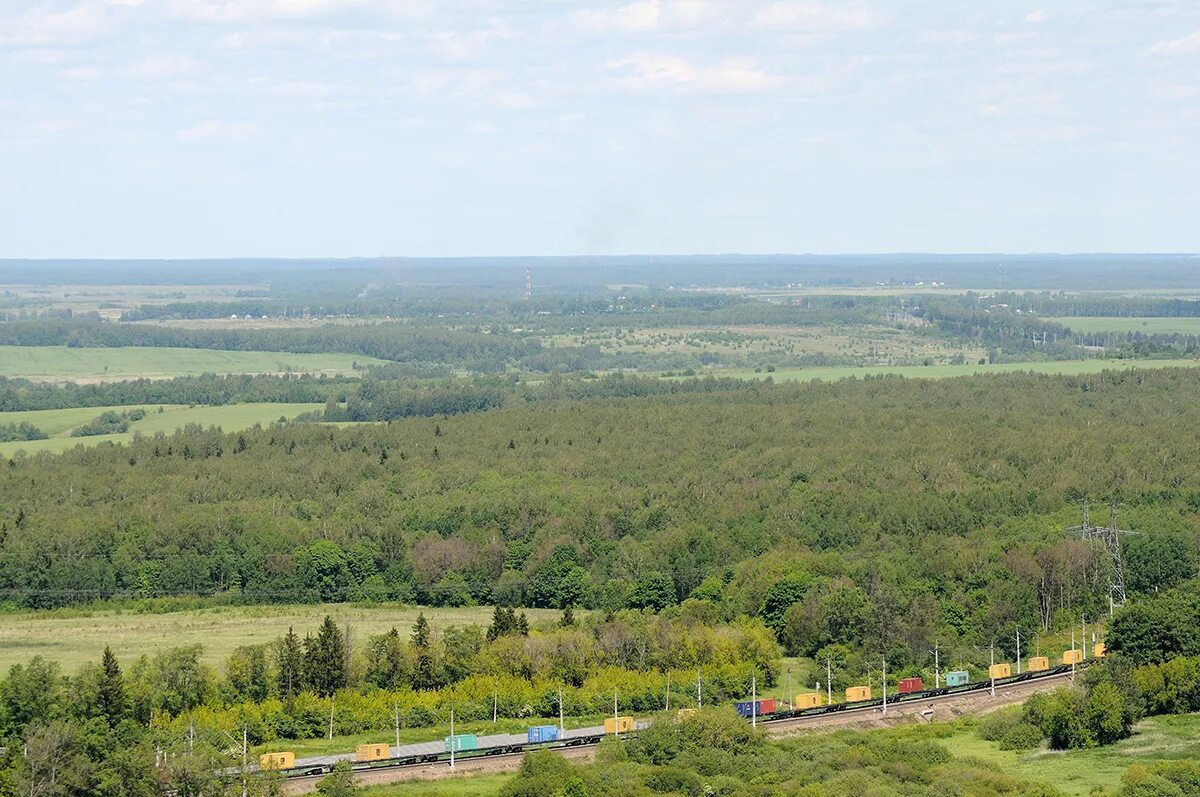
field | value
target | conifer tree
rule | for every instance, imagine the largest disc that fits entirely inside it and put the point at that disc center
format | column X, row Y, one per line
column 325, row 659
column 423, row 677
column 290, row 665
column 113, row 705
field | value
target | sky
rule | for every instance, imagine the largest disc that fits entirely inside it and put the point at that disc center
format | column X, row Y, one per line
column 298, row 128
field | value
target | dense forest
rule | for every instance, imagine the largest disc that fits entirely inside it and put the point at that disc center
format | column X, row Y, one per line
column 880, row 514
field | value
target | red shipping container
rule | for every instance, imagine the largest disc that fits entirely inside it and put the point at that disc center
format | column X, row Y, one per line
column 766, row 706
column 908, row 685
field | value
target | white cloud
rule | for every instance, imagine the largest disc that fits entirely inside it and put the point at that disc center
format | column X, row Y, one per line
column 814, row 17
column 220, row 131
column 163, row 67
column 44, row 26
column 646, row 16
column 1182, row 46
column 1035, row 17
column 731, row 76
column 243, row 11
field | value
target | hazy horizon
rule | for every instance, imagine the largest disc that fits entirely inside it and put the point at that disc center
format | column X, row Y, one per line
column 293, row 128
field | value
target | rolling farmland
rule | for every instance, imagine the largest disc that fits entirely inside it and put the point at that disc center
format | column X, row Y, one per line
column 59, row 423
column 1183, row 325
column 74, row 638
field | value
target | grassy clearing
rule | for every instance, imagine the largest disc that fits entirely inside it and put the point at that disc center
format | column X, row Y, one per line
column 75, row 637
column 61, row 364
column 1078, row 772
column 471, row 786
column 755, row 344
column 59, row 423
column 1148, row 325
column 1067, row 367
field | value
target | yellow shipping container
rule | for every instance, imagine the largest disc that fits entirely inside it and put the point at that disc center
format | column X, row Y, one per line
column 619, row 725
column 1072, row 656
column 1098, row 650
column 856, row 693
column 684, row 713
column 372, row 752
column 808, row 700
column 277, row 760
column 1000, row 671
column 1039, row 663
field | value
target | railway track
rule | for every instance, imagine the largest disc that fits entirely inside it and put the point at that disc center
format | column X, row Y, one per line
column 976, row 699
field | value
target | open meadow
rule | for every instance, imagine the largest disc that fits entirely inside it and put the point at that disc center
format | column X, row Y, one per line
column 68, row 364
column 59, row 423
column 1183, row 325
column 1080, row 772
column 73, row 638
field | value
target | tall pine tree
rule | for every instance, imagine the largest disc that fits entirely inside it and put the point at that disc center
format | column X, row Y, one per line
column 111, row 692
column 325, row 659
column 423, row 675
column 290, row 660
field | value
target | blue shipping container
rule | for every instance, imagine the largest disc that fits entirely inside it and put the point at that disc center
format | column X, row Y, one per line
column 745, row 708
column 957, row 678
column 543, row 733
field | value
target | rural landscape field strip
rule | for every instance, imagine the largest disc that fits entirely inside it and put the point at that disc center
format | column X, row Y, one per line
column 74, row 637
column 57, row 424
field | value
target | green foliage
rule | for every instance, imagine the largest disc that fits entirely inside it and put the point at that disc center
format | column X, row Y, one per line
column 1172, row 687
column 107, row 422
column 339, row 782
column 20, row 431
column 543, row 772
column 325, row 659
column 1009, row 728
column 1159, row 627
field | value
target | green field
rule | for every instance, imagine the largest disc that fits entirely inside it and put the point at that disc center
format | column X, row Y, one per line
column 1068, row 367
column 1149, row 325
column 59, row 423
column 63, row 364
column 75, row 637
column 1078, row 772
column 470, row 786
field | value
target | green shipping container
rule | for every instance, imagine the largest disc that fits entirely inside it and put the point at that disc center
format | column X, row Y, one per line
column 957, row 678
column 465, row 741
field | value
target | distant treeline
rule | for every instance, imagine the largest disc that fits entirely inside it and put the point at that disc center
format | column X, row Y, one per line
column 208, row 390
column 387, row 401
column 1068, row 304
column 1016, row 330
column 401, row 343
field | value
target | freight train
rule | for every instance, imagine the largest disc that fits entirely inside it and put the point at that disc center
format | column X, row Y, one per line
column 549, row 736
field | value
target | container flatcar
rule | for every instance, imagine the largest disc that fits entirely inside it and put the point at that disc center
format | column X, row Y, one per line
column 907, row 686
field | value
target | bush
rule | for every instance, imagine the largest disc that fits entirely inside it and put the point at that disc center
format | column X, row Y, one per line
column 1010, row 729
column 1139, row 781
